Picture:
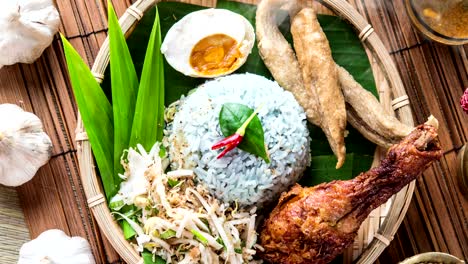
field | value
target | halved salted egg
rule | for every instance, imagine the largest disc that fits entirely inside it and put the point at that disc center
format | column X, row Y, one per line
column 209, row 43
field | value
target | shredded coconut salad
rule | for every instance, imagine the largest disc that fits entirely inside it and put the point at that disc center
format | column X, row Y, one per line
column 180, row 221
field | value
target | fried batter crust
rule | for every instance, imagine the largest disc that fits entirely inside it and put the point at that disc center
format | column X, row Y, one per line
column 367, row 115
column 279, row 57
column 320, row 77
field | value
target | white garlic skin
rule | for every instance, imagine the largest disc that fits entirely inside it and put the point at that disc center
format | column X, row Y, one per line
column 27, row 29
column 24, row 146
column 55, row 247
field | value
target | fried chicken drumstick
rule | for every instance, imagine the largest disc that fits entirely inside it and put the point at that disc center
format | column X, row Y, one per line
column 315, row 224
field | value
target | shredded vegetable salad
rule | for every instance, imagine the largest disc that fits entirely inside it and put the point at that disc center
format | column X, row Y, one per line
column 178, row 220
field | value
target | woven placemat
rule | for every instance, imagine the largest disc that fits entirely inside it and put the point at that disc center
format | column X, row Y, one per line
column 13, row 229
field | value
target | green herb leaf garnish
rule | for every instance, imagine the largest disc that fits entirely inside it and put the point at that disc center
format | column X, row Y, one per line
column 162, row 151
column 231, row 118
column 151, row 210
column 168, row 234
column 127, row 229
column 128, row 211
column 131, row 212
column 93, row 103
column 124, row 82
column 221, row 242
column 199, row 236
column 148, row 123
column 172, row 183
column 149, row 258
column 116, row 206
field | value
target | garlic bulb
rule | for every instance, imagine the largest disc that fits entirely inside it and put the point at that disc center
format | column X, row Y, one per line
column 24, row 147
column 55, row 247
column 28, row 28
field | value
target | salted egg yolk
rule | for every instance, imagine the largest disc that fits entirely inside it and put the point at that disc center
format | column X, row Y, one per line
column 215, row 54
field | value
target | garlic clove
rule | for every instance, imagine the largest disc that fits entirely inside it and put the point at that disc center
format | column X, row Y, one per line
column 54, row 246
column 24, row 147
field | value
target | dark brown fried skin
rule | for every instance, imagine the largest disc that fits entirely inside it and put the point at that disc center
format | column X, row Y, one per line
column 315, row 224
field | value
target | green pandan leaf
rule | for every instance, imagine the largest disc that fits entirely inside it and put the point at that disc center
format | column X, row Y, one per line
column 148, row 123
column 232, row 116
column 96, row 112
column 124, row 82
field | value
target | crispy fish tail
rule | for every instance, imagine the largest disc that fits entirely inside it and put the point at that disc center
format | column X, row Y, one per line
column 367, row 115
column 320, row 77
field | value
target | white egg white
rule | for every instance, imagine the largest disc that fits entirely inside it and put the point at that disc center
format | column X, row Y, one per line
column 186, row 33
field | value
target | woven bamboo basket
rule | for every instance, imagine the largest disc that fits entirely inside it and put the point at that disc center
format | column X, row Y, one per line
column 377, row 231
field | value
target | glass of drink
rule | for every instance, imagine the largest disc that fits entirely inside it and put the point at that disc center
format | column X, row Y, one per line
column 445, row 21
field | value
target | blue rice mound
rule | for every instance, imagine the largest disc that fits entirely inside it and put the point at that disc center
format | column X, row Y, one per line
column 240, row 176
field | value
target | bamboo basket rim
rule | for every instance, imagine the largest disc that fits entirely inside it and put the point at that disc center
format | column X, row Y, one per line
column 400, row 105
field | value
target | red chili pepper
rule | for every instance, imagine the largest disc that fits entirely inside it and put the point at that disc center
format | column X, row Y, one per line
column 228, row 143
column 235, row 139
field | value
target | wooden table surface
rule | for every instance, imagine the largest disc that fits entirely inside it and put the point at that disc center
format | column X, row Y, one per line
column 434, row 76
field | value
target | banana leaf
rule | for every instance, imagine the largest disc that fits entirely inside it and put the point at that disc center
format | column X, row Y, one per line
column 347, row 51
